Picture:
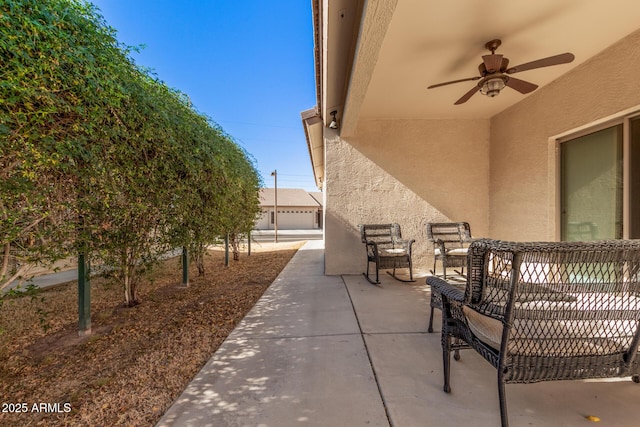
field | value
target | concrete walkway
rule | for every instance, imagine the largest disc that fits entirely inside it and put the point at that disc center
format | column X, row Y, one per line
column 297, row 358
column 337, row 351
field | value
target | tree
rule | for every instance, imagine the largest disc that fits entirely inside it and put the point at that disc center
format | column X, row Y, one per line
column 100, row 157
column 242, row 198
column 57, row 66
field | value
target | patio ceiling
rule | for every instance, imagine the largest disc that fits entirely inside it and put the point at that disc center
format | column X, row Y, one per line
column 376, row 61
column 429, row 42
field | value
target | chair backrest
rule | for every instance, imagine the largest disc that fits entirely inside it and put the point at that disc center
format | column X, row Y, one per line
column 559, row 298
column 384, row 235
column 452, row 234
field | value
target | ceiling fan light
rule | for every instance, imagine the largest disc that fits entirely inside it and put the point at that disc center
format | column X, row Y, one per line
column 492, row 87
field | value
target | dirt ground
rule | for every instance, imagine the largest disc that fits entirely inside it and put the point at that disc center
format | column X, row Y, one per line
column 137, row 360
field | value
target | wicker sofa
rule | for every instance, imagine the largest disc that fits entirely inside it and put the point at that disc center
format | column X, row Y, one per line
column 544, row 311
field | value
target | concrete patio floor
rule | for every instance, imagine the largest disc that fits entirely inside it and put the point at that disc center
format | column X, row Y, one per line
column 337, row 351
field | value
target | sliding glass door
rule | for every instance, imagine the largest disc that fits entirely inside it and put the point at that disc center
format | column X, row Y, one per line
column 634, row 178
column 592, row 186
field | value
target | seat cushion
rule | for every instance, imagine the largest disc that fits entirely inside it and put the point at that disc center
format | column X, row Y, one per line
column 554, row 337
column 452, row 252
column 394, row 252
column 485, row 328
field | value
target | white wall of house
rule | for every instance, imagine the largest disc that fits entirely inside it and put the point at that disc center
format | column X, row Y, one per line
column 405, row 171
column 263, row 221
column 523, row 169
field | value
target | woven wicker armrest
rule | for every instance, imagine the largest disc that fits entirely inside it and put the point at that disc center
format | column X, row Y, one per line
column 439, row 247
column 405, row 243
column 371, row 243
column 451, row 292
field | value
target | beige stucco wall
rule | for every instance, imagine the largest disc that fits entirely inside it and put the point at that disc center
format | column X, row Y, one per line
column 523, row 166
column 500, row 174
column 405, row 171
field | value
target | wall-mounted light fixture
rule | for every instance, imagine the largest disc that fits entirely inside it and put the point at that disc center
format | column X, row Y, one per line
column 334, row 122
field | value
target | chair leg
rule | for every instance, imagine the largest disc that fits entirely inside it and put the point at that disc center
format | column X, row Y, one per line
column 446, row 360
column 456, row 354
column 393, row 273
column 504, row 419
column 366, row 275
column 461, row 272
column 430, row 329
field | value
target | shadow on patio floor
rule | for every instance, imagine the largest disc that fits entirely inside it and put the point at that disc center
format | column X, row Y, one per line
column 337, row 351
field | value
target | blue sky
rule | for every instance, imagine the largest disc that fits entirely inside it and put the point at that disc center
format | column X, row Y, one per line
column 247, row 64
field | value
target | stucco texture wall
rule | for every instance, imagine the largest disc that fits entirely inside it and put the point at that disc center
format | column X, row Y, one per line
column 405, row 171
column 523, row 165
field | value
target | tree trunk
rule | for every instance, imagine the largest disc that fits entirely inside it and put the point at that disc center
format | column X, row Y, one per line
column 130, row 292
column 5, row 260
column 235, row 246
column 134, row 292
column 200, row 264
column 198, row 257
column 128, row 279
column 18, row 273
column 127, row 287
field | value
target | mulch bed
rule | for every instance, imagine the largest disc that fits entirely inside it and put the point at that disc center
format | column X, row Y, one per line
column 137, row 360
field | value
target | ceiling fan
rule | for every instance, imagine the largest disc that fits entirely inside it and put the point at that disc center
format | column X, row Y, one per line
column 494, row 74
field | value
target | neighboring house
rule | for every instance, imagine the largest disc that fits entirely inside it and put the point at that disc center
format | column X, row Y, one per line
column 317, row 196
column 297, row 210
column 517, row 167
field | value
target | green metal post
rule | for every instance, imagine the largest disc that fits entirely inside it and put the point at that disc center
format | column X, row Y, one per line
column 185, row 266
column 226, row 250
column 84, row 296
column 249, row 241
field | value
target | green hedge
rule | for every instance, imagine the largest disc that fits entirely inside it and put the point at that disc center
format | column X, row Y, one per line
column 98, row 155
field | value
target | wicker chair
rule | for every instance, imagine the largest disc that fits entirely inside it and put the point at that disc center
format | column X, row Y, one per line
column 546, row 311
column 450, row 245
column 450, row 242
column 386, row 248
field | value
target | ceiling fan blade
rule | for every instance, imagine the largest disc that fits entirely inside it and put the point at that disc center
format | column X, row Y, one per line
column 467, row 95
column 492, row 63
column 563, row 58
column 520, row 85
column 454, row 81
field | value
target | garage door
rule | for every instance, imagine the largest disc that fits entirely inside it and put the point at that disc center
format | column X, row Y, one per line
column 296, row 219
